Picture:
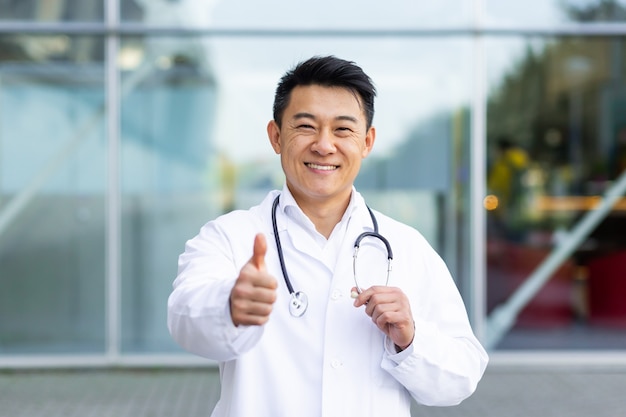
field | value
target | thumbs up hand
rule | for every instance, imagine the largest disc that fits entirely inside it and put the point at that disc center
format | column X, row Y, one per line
column 254, row 293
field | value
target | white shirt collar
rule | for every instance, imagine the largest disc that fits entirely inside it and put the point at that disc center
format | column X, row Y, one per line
column 293, row 212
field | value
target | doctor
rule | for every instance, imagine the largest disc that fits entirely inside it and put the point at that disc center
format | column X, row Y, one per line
column 276, row 296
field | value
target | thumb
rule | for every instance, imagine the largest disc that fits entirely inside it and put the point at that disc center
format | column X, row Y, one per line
column 259, row 250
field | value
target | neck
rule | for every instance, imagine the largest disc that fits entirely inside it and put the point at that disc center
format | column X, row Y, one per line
column 324, row 214
column 325, row 219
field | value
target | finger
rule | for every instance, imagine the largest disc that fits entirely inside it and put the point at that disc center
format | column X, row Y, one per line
column 259, row 250
column 251, row 305
column 254, row 286
column 382, row 314
column 249, row 318
column 262, row 291
column 382, row 301
column 363, row 297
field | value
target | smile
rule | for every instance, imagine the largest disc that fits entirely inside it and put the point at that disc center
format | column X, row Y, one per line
column 322, row 167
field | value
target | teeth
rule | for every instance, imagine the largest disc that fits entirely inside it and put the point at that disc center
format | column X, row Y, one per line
column 322, row 167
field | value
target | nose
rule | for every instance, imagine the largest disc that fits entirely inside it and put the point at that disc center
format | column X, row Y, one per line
column 324, row 143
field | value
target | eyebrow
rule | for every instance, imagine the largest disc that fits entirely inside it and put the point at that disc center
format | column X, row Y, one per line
column 305, row 115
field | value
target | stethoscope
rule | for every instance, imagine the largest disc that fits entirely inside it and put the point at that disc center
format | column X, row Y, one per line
column 299, row 302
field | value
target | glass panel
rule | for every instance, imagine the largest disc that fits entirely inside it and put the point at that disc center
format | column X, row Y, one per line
column 52, row 10
column 195, row 146
column 274, row 14
column 559, row 104
column 550, row 12
column 52, row 176
column 168, row 176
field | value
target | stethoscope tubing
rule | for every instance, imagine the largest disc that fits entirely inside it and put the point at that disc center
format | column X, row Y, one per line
column 298, row 299
column 279, row 247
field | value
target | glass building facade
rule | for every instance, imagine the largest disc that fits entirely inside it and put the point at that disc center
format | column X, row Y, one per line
column 127, row 124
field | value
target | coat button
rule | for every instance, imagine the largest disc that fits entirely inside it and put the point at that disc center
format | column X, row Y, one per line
column 335, row 363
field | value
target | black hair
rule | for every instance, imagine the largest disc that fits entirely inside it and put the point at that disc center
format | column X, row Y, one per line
column 327, row 71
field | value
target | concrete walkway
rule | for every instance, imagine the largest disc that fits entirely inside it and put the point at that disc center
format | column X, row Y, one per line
column 192, row 393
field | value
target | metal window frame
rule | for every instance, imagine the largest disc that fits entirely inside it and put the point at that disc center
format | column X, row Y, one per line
column 113, row 200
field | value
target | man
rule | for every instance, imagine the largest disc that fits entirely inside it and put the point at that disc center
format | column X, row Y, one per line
column 506, row 182
column 284, row 353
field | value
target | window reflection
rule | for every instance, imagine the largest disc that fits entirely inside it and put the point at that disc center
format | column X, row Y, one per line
column 52, row 176
column 194, row 145
column 559, row 112
column 280, row 15
column 551, row 12
column 56, row 49
column 169, row 175
column 52, row 11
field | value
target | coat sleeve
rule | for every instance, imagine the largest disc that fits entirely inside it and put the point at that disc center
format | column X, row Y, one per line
column 445, row 362
column 198, row 308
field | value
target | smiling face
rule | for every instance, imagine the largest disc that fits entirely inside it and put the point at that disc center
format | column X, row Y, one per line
column 321, row 141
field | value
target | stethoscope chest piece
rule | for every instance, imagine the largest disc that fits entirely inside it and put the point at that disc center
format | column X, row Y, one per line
column 298, row 303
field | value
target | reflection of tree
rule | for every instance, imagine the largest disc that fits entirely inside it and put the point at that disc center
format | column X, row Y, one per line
column 420, row 161
column 11, row 51
column 558, row 100
column 563, row 102
column 515, row 104
column 601, row 10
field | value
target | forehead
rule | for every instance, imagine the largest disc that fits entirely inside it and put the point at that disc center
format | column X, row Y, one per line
column 323, row 100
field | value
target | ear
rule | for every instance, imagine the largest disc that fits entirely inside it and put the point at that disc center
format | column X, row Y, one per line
column 370, row 138
column 273, row 133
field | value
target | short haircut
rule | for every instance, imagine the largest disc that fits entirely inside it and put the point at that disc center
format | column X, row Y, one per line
column 326, row 71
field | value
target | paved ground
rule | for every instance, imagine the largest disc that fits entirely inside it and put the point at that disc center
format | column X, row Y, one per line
column 192, row 393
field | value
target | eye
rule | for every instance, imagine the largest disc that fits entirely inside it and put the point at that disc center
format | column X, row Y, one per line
column 343, row 131
column 304, row 126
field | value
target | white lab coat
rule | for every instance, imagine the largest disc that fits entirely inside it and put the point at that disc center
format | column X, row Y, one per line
column 332, row 361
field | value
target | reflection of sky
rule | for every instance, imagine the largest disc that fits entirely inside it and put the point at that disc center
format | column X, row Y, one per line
column 534, row 13
column 504, row 54
column 412, row 82
column 523, row 13
column 416, row 77
column 412, row 79
column 346, row 14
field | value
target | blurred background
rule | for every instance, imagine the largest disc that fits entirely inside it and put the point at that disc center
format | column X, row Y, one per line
column 125, row 125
